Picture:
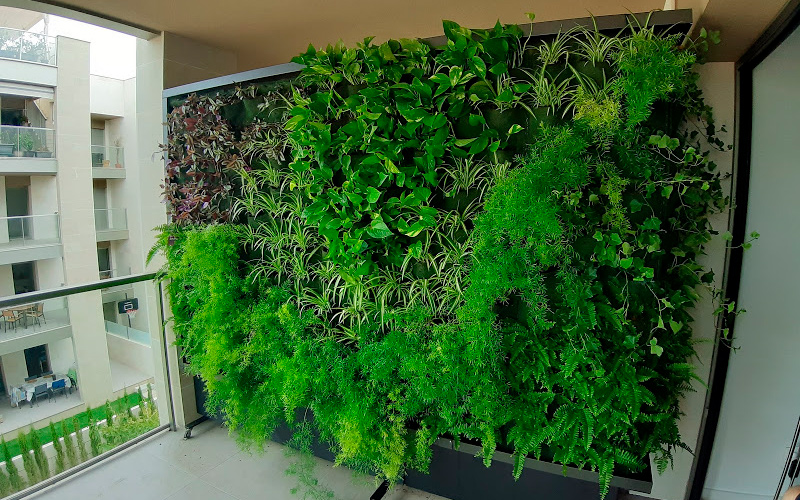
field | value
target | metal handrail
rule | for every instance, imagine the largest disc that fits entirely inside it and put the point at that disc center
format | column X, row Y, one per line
column 39, row 295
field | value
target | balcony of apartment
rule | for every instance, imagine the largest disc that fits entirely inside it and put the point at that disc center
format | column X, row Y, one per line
column 27, row 151
column 111, row 224
column 29, row 237
column 30, row 57
column 108, row 162
column 48, row 320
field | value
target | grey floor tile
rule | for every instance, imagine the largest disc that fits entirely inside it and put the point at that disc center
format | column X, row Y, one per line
column 209, row 446
column 200, row 490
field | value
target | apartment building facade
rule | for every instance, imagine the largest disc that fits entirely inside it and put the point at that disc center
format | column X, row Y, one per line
column 68, row 176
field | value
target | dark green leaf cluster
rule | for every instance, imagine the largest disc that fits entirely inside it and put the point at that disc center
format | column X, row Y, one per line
column 495, row 240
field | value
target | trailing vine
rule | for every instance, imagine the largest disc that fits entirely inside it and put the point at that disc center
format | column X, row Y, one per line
column 495, row 240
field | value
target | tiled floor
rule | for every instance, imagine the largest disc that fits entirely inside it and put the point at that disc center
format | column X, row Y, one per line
column 209, row 466
column 54, row 319
column 25, row 415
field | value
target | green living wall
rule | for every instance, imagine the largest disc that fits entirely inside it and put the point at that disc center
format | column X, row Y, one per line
column 494, row 240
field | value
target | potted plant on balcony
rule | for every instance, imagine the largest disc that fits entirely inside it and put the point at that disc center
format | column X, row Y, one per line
column 118, row 152
column 26, row 144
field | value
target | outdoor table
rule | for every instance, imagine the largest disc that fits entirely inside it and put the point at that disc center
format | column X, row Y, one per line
column 27, row 389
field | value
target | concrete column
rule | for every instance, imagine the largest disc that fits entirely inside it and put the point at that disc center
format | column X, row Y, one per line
column 3, row 211
column 74, row 180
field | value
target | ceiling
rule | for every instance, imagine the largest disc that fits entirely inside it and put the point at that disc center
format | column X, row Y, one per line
column 267, row 32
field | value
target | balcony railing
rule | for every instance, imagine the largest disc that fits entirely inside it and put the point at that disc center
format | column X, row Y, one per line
column 110, row 219
column 114, row 273
column 35, row 317
column 127, row 332
column 28, row 230
column 108, row 156
column 27, row 46
column 32, row 142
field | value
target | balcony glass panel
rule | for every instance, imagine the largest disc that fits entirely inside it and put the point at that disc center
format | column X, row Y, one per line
column 108, row 157
column 110, row 219
column 27, row 46
column 29, row 230
column 31, row 142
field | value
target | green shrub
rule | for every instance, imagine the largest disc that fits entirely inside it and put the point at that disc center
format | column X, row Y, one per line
column 61, row 463
column 28, row 462
column 13, row 474
column 82, row 454
column 95, row 441
column 69, row 446
column 42, row 464
column 495, row 240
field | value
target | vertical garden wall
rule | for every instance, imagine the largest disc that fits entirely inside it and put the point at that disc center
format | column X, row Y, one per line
column 493, row 240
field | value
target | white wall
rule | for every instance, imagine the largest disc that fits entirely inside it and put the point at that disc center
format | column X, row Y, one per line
column 62, row 355
column 6, row 280
column 14, row 369
column 49, row 273
column 130, row 353
column 760, row 404
column 106, row 96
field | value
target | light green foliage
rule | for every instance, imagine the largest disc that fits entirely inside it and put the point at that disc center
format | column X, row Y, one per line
column 82, row 454
column 28, row 463
column 95, row 441
column 495, row 240
column 69, row 445
column 14, row 478
column 42, row 464
column 61, row 458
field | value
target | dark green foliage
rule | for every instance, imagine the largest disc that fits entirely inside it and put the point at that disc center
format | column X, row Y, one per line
column 61, row 458
column 13, row 474
column 109, row 414
column 69, row 445
column 42, row 464
column 495, row 240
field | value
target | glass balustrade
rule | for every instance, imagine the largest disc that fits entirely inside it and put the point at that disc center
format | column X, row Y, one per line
column 28, row 142
column 26, row 46
column 110, row 219
column 29, row 230
column 108, row 157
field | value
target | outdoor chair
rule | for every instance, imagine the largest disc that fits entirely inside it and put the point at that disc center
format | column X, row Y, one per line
column 40, row 391
column 59, row 386
column 35, row 312
column 10, row 318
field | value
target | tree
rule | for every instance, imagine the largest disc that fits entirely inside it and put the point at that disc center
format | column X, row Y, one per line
column 13, row 474
column 39, row 456
column 69, row 445
column 84, row 456
column 61, row 465
column 27, row 459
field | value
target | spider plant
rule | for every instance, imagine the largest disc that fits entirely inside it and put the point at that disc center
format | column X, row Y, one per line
column 594, row 46
column 467, row 173
column 548, row 92
column 552, row 52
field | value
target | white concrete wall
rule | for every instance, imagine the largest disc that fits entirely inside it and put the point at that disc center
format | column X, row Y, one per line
column 6, row 281
column 760, row 407
column 130, row 353
column 78, row 233
column 717, row 82
column 62, row 356
column 14, row 369
column 49, row 273
column 43, row 193
column 3, row 211
column 106, row 96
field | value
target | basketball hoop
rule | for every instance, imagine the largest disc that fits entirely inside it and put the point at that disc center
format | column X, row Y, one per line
column 129, row 307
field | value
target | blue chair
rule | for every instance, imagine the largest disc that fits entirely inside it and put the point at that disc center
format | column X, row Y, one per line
column 40, row 391
column 59, row 386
